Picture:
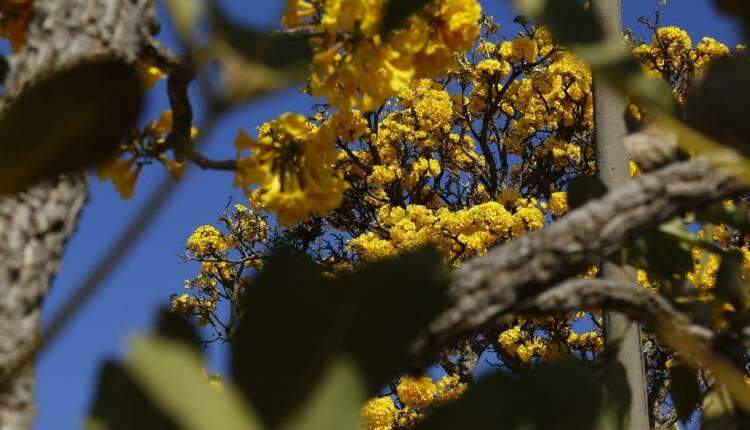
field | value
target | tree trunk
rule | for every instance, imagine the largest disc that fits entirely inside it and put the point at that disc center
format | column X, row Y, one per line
column 36, row 224
column 612, row 163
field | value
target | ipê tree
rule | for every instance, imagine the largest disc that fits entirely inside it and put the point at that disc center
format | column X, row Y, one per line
column 463, row 151
column 438, row 131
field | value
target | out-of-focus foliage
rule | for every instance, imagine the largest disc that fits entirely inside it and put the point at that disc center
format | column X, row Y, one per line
column 435, row 130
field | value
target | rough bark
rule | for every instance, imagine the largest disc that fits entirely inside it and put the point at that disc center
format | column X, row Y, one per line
column 620, row 334
column 36, row 224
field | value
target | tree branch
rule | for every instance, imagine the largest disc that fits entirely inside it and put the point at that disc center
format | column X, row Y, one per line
column 487, row 288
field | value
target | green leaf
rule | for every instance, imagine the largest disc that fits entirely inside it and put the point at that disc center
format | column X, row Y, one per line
column 616, row 397
column 410, row 290
column 398, row 11
column 567, row 19
column 735, row 216
column 738, row 8
column 120, row 404
column 685, row 390
column 289, row 332
column 584, row 188
column 336, row 402
column 296, row 321
column 716, row 104
column 563, row 396
column 729, row 279
column 171, row 374
column 71, row 120
column 719, row 412
column 278, row 50
column 177, row 327
column 185, row 14
column 663, row 252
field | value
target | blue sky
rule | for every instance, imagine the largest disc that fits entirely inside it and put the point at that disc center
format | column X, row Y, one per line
column 143, row 282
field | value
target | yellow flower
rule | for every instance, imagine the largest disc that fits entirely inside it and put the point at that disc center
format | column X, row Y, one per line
column 349, row 124
column 527, row 218
column 354, row 66
column 298, row 14
column 491, row 69
column 206, row 240
column 175, row 169
column 383, row 175
column 122, row 173
column 292, row 162
column 149, row 74
column 559, row 202
column 416, row 392
column 378, row 414
column 524, row 49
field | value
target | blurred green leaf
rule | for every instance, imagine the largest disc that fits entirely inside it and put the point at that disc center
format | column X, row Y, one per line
column 278, row 50
column 563, row 396
column 617, row 396
column 254, row 62
column 568, row 20
column 734, row 216
column 410, row 290
column 288, row 333
column 663, row 252
column 729, row 279
column 335, row 403
column 398, row 11
column 171, row 374
column 185, row 14
column 716, row 104
column 719, row 412
column 685, row 390
column 722, row 157
column 302, row 320
column 245, row 79
column 71, row 120
column 739, row 8
column 120, row 404
column 584, row 188
column 178, row 327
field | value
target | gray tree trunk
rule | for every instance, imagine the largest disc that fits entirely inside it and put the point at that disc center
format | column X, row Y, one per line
column 36, row 224
column 612, row 163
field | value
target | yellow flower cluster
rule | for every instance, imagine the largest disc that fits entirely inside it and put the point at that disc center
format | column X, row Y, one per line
column 205, row 241
column 671, row 56
column 491, row 69
column 520, row 344
column 416, row 392
column 292, row 162
column 417, row 396
column 520, row 49
column 354, row 65
column 198, row 307
column 378, row 414
column 349, row 125
column 563, row 152
column 558, row 202
column 457, row 234
column 590, row 341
